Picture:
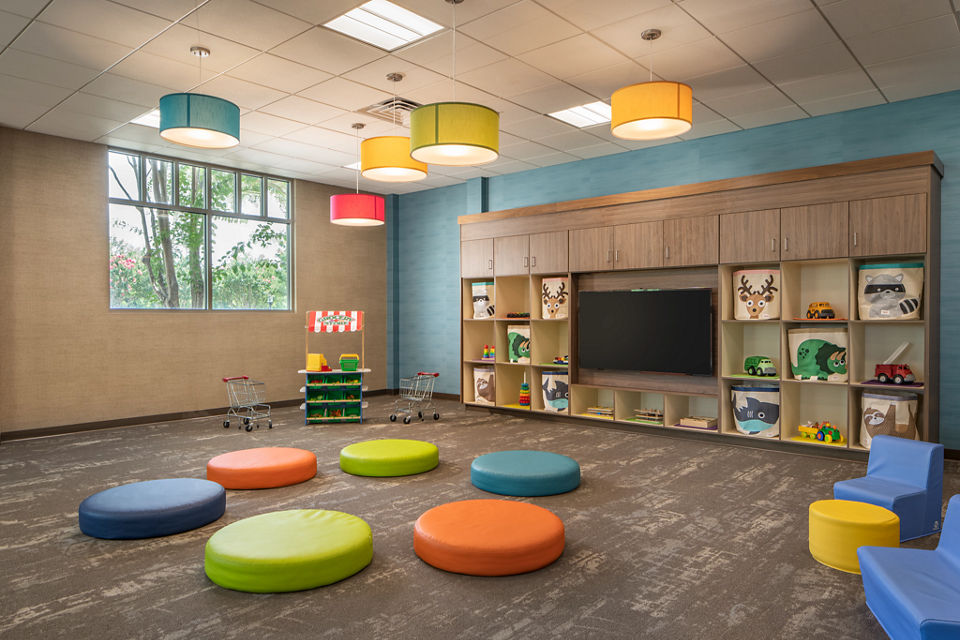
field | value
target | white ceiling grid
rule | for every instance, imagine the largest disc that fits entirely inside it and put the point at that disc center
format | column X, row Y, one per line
column 84, row 68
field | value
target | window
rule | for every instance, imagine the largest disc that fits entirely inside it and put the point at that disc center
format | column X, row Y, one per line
column 187, row 236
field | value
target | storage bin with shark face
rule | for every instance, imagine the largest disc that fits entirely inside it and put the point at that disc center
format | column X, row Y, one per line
column 756, row 410
column 556, row 392
column 819, row 353
column 756, row 294
column 888, row 415
column 890, row 291
column 485, row 385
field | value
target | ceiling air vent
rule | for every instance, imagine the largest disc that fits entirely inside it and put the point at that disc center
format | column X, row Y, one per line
column 393, row 109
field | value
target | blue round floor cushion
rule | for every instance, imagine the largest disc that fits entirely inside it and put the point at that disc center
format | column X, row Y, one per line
column 152, row 508
column 525, row 473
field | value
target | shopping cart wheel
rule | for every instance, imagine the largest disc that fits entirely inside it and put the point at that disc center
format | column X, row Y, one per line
column 393, row 417
column 406, row 419
column 246, row 421
column 436, row 416
column 420, row 414
column 226, row 424
column 270, row 424
column 249, row 427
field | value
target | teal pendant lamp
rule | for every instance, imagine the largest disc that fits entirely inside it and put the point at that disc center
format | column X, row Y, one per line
column 198, row 120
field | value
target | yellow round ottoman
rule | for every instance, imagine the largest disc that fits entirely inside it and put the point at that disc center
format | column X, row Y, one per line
column 839, row 527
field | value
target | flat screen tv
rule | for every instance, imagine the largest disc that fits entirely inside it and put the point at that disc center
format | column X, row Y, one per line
column 662, row 331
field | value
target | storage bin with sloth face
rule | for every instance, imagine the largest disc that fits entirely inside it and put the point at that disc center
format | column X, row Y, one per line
column 888, row 415
column 485, row 385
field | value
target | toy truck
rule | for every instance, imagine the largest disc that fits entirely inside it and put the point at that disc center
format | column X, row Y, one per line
column 821, row 431
column 896, row 373
column 759, row 366
column 820, row 311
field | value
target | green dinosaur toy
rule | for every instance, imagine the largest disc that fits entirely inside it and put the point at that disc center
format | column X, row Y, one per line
column 819, row 359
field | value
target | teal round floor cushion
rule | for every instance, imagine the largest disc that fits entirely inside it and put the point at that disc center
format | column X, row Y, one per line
column 384, row 458
column 525, row 473
column 288, row 551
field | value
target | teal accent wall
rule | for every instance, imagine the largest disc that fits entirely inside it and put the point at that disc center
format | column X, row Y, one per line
column 426, row 237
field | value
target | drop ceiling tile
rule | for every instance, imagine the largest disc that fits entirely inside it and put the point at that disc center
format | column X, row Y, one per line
column 751, row 102
column 175, row 43
column 537, row 127
column 69, row 46
column 290, row 148
column 554, row 97
column 920, row 75
column 730, row 15
column 318, row 136
column 169, row 9
column 267, row 124
column 372, row 126
column 327, row 50
column 808, row 64
column 278, row 73
column 827, row 86
column 116, row 87
column 596, row 150
column 310, row 10
column 773, row 116
column 98, row 106
column 374, row 74
column 710, row 129
column 68, row 124
column 442, row 13
column 781, row 36
column 19, row 113
column 42, row 69
column 257, row 157
column 601, row 83
column 105, row 20
column 507, row 78
column 250, row 138
column 134, row 136
column 597, row 13
column 242, row 93
column 859, row 17
column 552, row 158
column 632, row 145
column 843, row 103
column 10, row 25
column 729, row 82
column 525, row 150
column 572, row 139
column 703, row 114
column 12, row 89
column 907, row 40
column 434, row 181
column 435, row 53
column 303, row 166
column 505, row 164
column 691, row 60
column 346, row 94
column 25, row 8
column 678, row 29
column 301, row 110
column 464, row 173
column 574, row 56
column 250, row 23
column 165, row 72
column 520, row 27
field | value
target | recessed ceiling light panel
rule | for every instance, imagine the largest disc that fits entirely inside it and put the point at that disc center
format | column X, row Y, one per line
column 149, row 119
column 383, row 24
column 586, row 115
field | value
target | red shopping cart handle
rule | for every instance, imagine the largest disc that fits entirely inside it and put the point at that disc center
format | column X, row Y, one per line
column 427, row 373
column 236, row 378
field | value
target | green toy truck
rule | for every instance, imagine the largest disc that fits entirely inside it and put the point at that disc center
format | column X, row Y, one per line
column 759, row 366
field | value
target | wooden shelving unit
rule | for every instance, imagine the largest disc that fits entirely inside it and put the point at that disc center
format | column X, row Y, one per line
column 817, row 226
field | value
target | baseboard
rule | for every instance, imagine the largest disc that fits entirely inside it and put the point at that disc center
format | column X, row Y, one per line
column 64, row 429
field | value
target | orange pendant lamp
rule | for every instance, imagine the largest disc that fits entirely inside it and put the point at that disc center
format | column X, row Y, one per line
column 356, row 209
column 387, row 158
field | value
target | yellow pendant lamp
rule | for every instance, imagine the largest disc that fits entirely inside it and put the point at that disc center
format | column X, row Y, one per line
column 454, row 133
column 651, row 110
column 387, row 158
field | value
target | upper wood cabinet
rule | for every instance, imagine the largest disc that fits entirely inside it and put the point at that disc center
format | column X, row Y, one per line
column 897, row 224
column 814, row 231
column 750, row 236
column 476, row 258
column 548, row 252
column 691, row 241
column 591, row 249
column 638, row 246
column 511, row 256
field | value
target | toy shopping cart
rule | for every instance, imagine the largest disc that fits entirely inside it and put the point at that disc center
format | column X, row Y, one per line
column 416, row 394
column 246, row 403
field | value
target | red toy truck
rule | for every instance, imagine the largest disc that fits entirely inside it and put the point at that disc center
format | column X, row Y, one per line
column 896, row 373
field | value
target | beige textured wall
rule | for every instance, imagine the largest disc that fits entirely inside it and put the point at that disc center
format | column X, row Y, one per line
column 66, row 358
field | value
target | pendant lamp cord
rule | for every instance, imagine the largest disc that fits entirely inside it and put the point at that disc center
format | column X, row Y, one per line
column 357, row 130
column 453, row 67
column 196, row 10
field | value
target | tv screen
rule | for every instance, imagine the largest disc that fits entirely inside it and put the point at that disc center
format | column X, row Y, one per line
column 663, row 331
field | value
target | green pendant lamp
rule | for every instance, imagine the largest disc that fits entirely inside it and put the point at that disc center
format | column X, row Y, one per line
column 454, row 133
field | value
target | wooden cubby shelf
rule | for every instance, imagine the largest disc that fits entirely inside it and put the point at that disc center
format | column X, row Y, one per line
column 816, row 227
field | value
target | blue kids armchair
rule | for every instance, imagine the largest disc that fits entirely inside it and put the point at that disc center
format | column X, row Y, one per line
column 904, row 476
column 915, row 593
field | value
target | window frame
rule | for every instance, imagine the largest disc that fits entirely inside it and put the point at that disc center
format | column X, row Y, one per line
column 208, row 212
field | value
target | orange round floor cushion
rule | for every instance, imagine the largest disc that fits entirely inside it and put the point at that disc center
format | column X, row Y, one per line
column 262, row 468
column 488, row 537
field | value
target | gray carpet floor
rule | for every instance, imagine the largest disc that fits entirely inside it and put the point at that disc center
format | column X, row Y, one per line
column 666, row 538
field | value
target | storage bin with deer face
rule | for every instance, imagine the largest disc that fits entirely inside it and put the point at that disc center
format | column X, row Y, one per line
column 756, row 294
column 554, row 294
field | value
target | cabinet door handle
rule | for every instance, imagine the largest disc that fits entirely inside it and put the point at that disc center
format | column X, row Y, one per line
column 490, row 264
column 533, row 261
column 786, row 244
column 666, row 252
column 854, row 238
column 526, row 262
column 616, row 255
column 773, row 243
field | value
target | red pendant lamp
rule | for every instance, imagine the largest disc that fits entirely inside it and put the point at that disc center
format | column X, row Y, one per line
column 356, row 209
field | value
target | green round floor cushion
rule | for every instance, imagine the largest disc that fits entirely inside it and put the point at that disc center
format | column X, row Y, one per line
column 288, row 551
column 383, row 458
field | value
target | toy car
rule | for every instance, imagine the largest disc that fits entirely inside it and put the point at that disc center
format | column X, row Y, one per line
column 820, row 311
column 759, row 366
column 821, row 431
column 896, row 373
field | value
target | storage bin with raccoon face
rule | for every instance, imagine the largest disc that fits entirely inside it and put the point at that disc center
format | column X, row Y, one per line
column 890, row 291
